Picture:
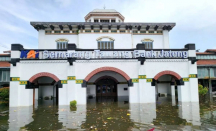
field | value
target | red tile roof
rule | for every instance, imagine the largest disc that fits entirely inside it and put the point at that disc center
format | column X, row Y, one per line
column 206, row 62
column 4, row 64
column 210, row 50
column 4, row 54
column 203, row 53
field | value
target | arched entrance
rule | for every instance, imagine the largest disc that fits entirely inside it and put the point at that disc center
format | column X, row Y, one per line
column 106, row 86
column 166, row 86
column 108, row 83
column 45, row 88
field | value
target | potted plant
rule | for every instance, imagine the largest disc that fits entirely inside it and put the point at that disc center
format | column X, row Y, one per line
column 73, row 105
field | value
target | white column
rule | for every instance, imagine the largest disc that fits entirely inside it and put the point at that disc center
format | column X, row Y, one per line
column 63, row 95
column 98, row 20
column 173, row 90
column 116, row 20
column 71, row 92
column 184, row 92
column 133, row 93
column 14, row 94
column 92, row 19
column 110, row 20
column 41, row 39
column 81, row 94
column 166, row 39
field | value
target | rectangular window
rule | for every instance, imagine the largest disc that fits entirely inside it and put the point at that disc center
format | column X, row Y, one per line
column 142, row 31
column 105, row 31
column 66, row 31
column 114, row 31
column 105, row 44
column 104, row 21
column 5, row 76
column 151, row 31
column 148, row 45
column 135, row 31
column 62, row 45
column 112, row 20
column 96, row 21
column 48, row 31
column 159, row 32
column 96, row 30
column 57, row 31
column 87, row 30
column 122, row 31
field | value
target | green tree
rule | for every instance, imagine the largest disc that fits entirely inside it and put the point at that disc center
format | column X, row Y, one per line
column 4, row 93
column 202, row 90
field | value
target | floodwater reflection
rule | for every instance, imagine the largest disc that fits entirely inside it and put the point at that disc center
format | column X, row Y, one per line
column 112, row 114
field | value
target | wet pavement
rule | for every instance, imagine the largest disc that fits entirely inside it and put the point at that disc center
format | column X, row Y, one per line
column 111, row 114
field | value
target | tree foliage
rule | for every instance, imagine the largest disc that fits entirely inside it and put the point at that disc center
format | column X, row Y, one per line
column 202, row 90
column 4, row 93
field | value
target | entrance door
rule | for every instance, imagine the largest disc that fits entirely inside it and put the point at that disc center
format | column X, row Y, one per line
column 106, row 90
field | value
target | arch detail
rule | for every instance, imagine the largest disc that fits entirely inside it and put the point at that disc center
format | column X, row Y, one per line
column 62, row 40
column 106, row 77
column 167, row 72
column 43, row 74
column 110, row 38
column 94, row 72
column 147, row 40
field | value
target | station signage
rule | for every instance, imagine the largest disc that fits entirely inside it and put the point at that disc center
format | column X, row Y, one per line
column 113, row 54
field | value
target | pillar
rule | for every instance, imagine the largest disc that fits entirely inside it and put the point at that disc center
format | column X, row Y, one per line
column 81, row 94
column 173, row 95
column 165, row 39
column 63, row 95
column 172, row 90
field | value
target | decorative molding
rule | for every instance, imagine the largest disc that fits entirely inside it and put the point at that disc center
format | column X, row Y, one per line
column 103, row 61
column 43, row 61
column 167, row 60
column 110, row 38
column 147, row 40
column 62, row 40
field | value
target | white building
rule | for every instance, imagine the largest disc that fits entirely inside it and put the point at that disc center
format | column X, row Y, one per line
column 103, row 56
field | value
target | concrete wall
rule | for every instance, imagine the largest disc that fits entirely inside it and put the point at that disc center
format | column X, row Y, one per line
column 121, row 91
column 89, row 40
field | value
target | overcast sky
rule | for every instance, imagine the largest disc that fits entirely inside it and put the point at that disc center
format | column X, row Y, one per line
column 195, row 19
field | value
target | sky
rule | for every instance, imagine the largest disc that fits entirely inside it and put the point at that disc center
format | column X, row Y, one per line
column 195, row 19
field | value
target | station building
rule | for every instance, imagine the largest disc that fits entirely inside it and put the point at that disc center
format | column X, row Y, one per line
column 102, row 57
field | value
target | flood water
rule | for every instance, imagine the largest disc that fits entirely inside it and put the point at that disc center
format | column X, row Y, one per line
column 111, row 114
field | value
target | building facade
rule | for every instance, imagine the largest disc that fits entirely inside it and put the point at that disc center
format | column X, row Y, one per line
column 102, row 57
column 5, row 69
column 206, row 67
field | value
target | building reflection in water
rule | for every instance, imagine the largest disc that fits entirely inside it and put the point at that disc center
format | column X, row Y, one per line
column 109, row 114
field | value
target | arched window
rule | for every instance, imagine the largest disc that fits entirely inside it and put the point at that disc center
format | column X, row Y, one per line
column 148, row 43
column 105, row 42
column 62, row 43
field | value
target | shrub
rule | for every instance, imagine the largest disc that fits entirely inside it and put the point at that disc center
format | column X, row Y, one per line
column 73, row 103
column 4, row 93
column 202, row 91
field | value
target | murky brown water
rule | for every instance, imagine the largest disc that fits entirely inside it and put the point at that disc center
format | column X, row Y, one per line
column 110, row 115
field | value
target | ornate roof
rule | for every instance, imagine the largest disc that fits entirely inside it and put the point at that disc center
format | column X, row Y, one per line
column 104, row 10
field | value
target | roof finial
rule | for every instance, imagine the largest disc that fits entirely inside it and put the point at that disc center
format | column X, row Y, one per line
column 104, row 7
